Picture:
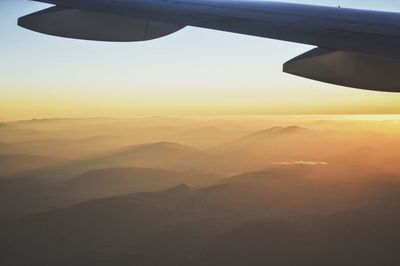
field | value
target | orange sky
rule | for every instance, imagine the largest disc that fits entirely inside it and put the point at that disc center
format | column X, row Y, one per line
column 348, row 101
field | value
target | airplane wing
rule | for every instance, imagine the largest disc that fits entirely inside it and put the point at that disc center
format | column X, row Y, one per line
column 355, row 48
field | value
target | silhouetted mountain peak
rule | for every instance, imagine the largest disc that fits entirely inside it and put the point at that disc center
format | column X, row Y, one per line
column 159, row 146
column 177, row 189
column 280, row 131
column 271, row 133
column 173, row 145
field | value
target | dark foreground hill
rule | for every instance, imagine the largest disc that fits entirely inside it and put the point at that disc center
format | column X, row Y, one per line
column 257, row 219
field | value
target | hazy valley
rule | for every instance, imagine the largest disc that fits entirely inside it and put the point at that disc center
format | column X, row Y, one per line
column 276, row 190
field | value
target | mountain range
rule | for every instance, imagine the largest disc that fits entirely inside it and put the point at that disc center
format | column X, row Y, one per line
column 259, row 218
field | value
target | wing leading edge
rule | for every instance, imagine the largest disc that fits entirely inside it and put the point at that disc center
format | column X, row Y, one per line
column 360, row 36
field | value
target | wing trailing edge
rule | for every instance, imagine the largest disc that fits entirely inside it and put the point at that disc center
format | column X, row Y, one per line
column 96, row 26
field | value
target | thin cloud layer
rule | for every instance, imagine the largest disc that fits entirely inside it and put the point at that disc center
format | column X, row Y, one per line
column 301, row 163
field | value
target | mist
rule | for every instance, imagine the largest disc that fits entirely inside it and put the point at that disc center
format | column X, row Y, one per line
column 234, row 190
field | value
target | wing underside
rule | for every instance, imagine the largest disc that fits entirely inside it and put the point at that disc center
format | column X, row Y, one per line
column 368, row 33
column 98, row 26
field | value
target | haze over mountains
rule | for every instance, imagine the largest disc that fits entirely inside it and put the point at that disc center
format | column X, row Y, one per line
column 200, row 191
column 12, row 164
column 164, row 155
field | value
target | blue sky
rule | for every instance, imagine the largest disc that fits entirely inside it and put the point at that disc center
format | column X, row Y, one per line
column 193, row 67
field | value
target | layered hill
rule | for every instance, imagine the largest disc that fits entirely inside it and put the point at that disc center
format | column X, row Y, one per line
column 71, row 148
column 160, row 155
column 260, row 218
column 6, row 148
column 12, row 164
column 263, row 148
column 26, row 195
column 274, row 134
column 118, row 181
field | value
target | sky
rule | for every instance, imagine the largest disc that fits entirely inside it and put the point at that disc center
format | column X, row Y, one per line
column 191, row 72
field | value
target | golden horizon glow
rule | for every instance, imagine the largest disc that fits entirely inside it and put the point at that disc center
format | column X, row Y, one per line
column 33, row 106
